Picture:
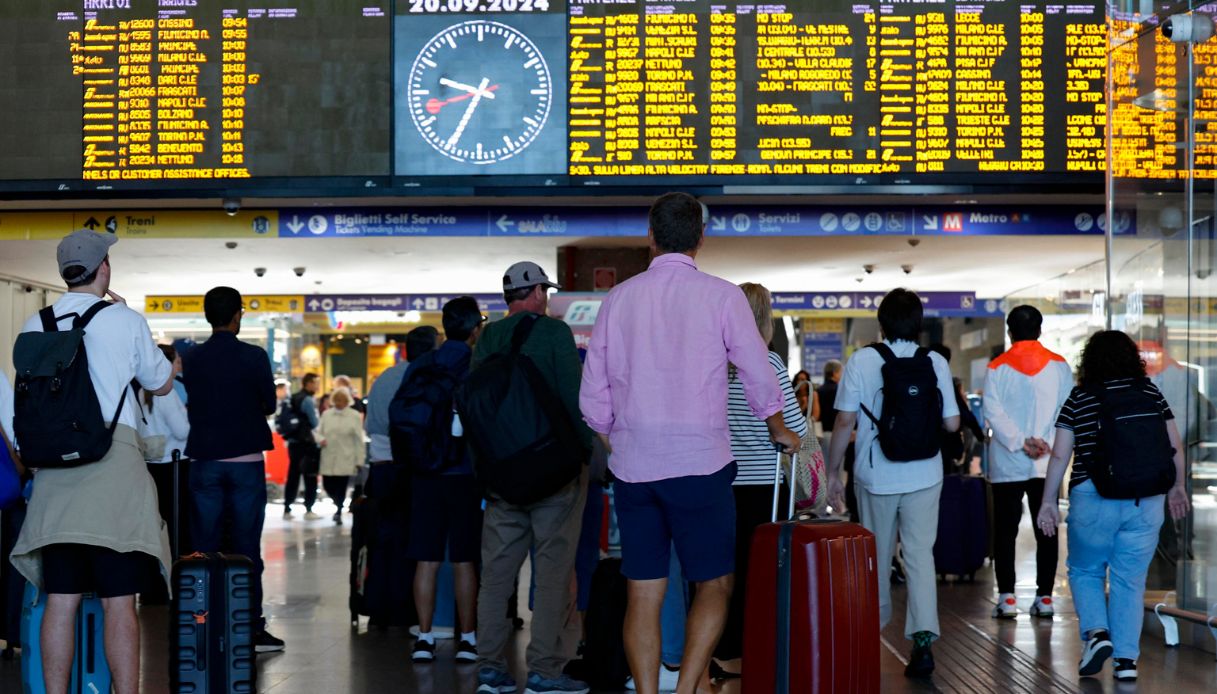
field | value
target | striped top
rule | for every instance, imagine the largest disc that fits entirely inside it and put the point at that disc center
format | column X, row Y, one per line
column 750, row 443
column 1080, row 414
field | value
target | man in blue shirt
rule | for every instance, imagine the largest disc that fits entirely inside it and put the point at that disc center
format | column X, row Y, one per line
column 232, row 392
column 303, row 454
column 419, row 341
column 446, row 507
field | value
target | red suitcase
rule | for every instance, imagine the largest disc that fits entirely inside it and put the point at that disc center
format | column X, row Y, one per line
column 812, row 610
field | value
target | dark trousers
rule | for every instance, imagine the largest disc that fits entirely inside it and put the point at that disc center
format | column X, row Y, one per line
column 230, row 496
column 177, row 521
column 753, row 507
column 303, row 459
column 1007, row 513
column 336, row 487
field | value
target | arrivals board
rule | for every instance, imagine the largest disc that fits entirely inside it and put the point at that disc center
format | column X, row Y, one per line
column 434, row 96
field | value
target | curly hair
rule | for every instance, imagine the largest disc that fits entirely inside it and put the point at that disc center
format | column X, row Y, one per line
column 1108, row 355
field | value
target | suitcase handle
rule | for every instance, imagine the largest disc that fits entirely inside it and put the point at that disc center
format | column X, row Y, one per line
column 777, row 481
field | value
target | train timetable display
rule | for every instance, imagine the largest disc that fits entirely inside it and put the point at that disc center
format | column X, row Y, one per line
column 179, row 90
column 850, row 88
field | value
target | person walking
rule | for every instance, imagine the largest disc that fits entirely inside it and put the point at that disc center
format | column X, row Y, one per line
column 343, row 450
column 303, row 454
column 1024, row 390
column 96, row 528
column 1112, row 531
column 232, row 392
column 655, row 391
column 899, row 494
column 754, row 459
column 548, row 529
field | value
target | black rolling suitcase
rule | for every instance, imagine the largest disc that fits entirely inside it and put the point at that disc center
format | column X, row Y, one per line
column 381, row 575
column 211, row 626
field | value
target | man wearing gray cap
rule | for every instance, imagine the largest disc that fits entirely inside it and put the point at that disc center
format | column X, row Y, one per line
column 96, row 528
column 550, row 527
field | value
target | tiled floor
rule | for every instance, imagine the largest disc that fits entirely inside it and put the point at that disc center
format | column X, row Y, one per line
column 306, row 586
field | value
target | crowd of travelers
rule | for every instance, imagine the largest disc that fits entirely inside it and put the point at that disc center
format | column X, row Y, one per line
column 678, row 391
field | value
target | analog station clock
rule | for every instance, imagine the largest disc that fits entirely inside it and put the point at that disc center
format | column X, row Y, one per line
column 479, row 92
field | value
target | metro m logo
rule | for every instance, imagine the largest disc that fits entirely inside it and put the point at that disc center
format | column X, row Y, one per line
column 952, row 222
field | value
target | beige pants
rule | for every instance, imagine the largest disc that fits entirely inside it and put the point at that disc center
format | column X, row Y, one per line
column 550, row 528
column 915, row 516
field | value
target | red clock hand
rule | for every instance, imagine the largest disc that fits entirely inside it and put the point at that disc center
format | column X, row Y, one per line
column 434, row 105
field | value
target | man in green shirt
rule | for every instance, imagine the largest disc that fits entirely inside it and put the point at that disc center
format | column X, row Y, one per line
column 550, row 527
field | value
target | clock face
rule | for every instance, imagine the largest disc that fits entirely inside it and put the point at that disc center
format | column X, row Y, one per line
column 479, row 92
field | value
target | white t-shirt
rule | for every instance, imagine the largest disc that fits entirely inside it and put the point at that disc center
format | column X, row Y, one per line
column 168, row 418
column 6, row 407
column 862, row 383
column 120, row 348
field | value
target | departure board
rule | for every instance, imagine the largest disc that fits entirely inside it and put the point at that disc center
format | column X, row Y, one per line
column 430, row 96
column 190, row 90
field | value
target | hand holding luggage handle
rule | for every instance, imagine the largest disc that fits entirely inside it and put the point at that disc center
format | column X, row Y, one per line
column 777, row 482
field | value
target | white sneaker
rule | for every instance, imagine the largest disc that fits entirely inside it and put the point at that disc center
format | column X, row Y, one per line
column 1042, row 607
column 667, row 680
column 1007, row 607
column 310, row 516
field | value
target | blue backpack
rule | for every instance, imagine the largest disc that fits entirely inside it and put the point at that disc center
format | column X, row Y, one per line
column 420, row 418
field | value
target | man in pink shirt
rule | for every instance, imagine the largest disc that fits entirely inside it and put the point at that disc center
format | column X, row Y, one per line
column 655, row 390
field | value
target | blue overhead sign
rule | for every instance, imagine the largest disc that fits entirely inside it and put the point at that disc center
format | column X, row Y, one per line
column 935, row 304
column 725, row 220
column 325, row 303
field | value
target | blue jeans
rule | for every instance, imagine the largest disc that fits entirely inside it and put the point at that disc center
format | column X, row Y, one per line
column 674, row 614
column 230, row 497
column 1111, row 542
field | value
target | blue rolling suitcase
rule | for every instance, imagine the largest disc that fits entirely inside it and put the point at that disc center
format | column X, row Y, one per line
column 90, row 672
column 211, row 626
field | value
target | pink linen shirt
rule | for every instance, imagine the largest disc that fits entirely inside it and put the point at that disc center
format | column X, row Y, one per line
column 655, row 378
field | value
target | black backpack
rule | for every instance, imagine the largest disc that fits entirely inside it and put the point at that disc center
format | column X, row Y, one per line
column 604, row 664
column 420, row 418
column 1134, row 458
column 910, row 423
column 526, row 446
column 290, row 423
column 57, row 418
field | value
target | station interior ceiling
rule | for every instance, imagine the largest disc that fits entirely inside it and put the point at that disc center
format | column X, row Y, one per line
column 992, row 266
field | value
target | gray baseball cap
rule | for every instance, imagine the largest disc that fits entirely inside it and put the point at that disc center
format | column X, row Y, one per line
column 525, row 274
column 84, row 248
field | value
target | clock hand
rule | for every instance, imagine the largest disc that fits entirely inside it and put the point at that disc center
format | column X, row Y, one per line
column 434, row 105
column 473, row 104
column 464, row 87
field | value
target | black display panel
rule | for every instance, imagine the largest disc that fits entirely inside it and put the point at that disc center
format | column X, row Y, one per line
column 436, row 97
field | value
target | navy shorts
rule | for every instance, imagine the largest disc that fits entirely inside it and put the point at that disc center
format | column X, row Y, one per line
column 445, row 514
column 76, row 569
column 697, row 514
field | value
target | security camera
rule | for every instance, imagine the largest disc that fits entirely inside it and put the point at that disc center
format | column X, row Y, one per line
column 299, row 271
column 868, row 268
column 231, row 206
column 1188, row 28
column 914, row 242
column 230, row 245
column 259, row 271
column 908, row 269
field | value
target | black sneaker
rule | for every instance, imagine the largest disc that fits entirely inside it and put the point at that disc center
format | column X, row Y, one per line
column 264, row 642
column 1097, row 651
column 1125, row 669
column 423, row 652
column 921, row 662
column 466, row 652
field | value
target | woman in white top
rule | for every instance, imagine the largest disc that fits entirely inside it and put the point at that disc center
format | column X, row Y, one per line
column 754, row 458
column 343, row 448
column 166, row 416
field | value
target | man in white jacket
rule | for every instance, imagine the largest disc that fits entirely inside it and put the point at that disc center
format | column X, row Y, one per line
column 1024, row 391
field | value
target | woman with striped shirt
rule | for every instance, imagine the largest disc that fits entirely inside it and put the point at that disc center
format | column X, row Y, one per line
column 754, row 458
column 1111, row 541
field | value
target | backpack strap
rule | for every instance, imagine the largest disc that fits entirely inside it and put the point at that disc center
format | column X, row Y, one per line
column 522, row 331
column 921, row 352
column 83, row 319
column 49, row 323
column 886, row 352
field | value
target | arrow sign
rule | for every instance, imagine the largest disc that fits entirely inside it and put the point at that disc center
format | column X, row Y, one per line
column 865, row 301
column 929, row 222
column 295, row 225
column 718, row 223
column 503, row 223
column 418, row 304
column 313, row 305
column 92, row 223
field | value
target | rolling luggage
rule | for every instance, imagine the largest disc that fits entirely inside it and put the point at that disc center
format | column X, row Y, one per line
column 812, row 612
column 963, row 526
column 381, row 574
column 211, row 626
column 90, row 672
